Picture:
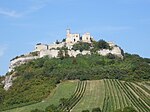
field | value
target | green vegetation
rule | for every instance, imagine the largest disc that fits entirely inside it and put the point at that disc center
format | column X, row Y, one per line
column 68, row 104
column 34, row 53
column 63, row 90
column 94, row 46
column 101, row 44
column 96, row 110
column 126, row 109
column 81, row 46
column 108, row 95
column 93, row 96
column 36, row 79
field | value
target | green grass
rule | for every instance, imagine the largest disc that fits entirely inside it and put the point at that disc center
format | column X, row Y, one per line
column 76, row 97
column 93, row 96
column 64, row 90
column 108, row 94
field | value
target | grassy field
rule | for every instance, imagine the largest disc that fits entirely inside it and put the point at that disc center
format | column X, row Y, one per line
column 93, row 96
column 107, row 94
column 63, row 90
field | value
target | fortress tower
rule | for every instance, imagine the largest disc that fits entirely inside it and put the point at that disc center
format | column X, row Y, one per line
column 87, row 38
column 72, row 38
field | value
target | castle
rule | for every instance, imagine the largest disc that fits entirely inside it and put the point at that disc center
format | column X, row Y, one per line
column 53, row 50
column 73, row 38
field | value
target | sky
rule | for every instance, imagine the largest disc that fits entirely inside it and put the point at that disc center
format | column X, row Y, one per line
column 23, row 23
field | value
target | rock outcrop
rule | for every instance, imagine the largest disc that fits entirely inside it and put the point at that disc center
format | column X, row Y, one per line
column 7, row 82
column 115, row 50
column 21, row 60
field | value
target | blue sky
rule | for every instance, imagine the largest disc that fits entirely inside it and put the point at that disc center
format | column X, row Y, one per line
column 23, row 23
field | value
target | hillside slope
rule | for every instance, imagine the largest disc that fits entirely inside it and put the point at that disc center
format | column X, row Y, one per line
column 108, row 94
column 63, row 90
column 35, row 80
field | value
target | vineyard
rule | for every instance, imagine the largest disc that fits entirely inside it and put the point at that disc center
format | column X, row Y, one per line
column 75, row 98
column 107, row 94
column 121, row 94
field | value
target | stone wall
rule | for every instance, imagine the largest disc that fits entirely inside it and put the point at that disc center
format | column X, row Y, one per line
column 55, row 46
column 19, row 61
column 52, row 52
column 40, row 47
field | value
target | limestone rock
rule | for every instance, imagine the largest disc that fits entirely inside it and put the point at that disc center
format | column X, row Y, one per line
column 19, row 61
column 7, row 82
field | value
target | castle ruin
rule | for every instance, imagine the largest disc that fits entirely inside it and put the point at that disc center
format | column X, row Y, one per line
column 73, row 38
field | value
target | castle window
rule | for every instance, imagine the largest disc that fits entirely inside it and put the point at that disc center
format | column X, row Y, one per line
column 80, row 38
column 74, row 40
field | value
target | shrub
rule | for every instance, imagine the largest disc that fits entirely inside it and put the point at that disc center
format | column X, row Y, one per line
column 111, row 56
column 101, row 44
column 81, row 46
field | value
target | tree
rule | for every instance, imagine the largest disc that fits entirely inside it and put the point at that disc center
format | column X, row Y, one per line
column 63, row 101
column 51, row 108
column 61, row 54
column 63, row 40
column 2, row 94
column 111, row 56
column 57, row 42
column 74, row 60
column 66, row 54
column 103, row 44
column 81, row 46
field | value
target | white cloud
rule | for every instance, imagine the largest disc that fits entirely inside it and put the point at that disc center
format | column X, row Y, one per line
column 33, row 6
column 2, row 50
column 15, row 14
column 10, row 13
column 36, row 5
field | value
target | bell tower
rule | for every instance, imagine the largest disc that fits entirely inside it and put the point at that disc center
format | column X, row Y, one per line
column 68, row 31
column 68, row 35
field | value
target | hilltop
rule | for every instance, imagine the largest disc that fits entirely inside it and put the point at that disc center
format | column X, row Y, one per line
column 71, row 46
column 34, row 76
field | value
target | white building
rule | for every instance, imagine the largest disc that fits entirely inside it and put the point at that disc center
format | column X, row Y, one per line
column 86, row 38
column 40, row 47
column 73, row 38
